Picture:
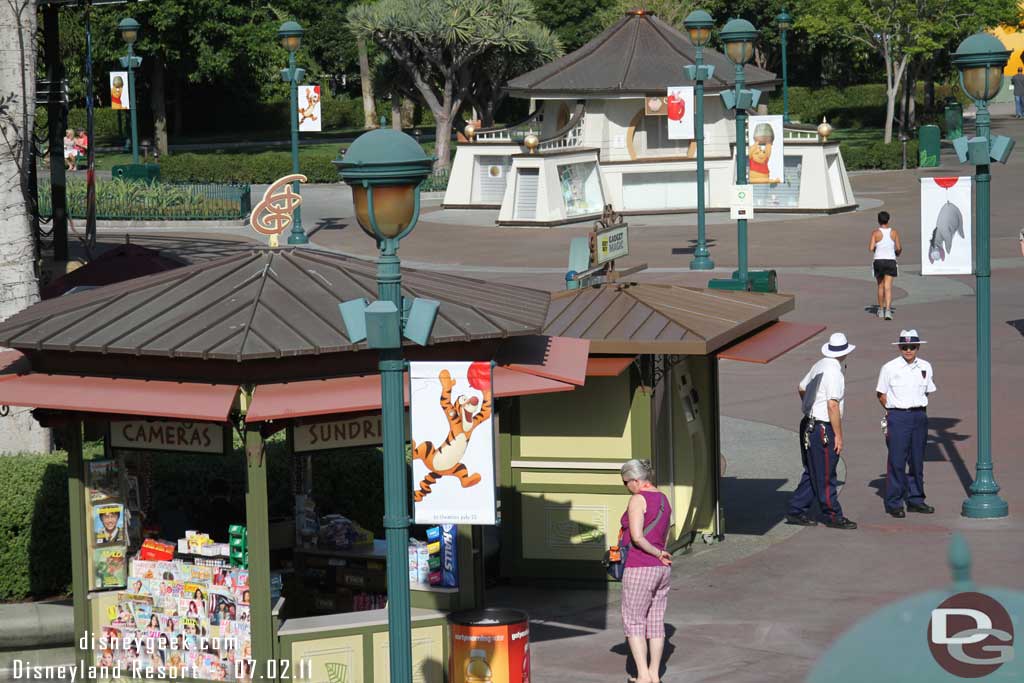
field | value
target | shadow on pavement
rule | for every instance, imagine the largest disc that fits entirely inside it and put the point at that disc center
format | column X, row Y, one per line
column 622, row 648
column 1017, row 325
column 754, row 506
column 328, row 224
column 693, row 247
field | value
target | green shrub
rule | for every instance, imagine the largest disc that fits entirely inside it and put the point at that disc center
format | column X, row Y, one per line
column 341, row 111
column 34, row 557
column 119, row 199
column 105, row 131
column 877, row 155
column 859, row 106
column 261, row 167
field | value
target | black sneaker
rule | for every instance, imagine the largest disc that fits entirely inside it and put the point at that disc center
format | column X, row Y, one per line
column 841, row 523
column 924, row 508
column 800, row 520
column 896, row 512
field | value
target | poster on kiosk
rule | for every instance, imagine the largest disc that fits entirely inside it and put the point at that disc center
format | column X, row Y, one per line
column 452, row 436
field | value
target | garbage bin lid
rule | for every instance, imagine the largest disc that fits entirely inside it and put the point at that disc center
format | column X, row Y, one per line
column 488, row 617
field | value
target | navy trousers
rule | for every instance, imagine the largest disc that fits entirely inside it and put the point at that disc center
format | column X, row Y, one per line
column 817, row 450
column 908, row 431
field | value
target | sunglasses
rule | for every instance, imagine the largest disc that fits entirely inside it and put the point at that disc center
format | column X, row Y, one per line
column 908, row 347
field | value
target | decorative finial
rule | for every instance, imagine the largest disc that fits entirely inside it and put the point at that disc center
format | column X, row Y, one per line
column 824, row 129
column 531, row 142
column 960, row 560
column 469, row 131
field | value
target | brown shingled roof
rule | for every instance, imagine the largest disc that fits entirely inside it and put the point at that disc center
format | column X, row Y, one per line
column 653, row 318
column 260, row 303
column 640, row 55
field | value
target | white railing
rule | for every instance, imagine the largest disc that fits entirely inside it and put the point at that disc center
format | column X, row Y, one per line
column 500, row 135
column 572, row 138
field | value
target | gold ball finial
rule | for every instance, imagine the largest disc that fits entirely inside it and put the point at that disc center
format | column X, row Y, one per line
column 531, row 142
column 469, row 131
column 824, row 129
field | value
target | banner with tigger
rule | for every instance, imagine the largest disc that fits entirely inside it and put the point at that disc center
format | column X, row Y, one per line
column 452, row 436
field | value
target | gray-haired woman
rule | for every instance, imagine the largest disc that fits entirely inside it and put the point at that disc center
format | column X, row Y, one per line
column 647, row 576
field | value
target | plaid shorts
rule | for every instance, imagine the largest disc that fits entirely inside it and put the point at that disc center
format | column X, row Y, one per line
column 644, row 599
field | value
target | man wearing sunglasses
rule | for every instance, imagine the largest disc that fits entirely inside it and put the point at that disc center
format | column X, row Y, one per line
column 903, row 387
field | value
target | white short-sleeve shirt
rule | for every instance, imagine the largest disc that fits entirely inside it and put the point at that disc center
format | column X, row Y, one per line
column 906, row 385
column 830, row 387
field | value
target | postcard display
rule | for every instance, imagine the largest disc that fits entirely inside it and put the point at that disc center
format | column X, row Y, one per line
column 176, row 614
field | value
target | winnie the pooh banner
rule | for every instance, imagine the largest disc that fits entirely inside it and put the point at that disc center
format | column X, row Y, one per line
column 679, row 109
column 452, row 438
column 765, row 150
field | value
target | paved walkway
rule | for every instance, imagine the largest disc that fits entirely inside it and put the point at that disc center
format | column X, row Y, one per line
column 765, row 603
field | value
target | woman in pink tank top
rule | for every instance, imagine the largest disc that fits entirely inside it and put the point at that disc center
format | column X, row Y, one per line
column 647, row 576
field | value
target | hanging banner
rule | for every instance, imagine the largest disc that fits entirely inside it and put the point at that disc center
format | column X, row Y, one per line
column 452, row 438
column 765, row 150
column 946, row 226
column 679, row 109
column 119, row 98
column 309, row 108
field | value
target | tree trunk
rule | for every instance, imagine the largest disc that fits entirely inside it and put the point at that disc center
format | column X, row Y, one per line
column 442, row 139
column 396, row 111
column 408, row 113
column 18, row 285
column 366, row 82
column 158, row 102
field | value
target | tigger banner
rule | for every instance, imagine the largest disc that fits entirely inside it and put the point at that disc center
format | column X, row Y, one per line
column 452, row 438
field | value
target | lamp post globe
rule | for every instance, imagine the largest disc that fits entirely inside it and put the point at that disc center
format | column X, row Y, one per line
column 290, row 35
column 385, row 169
column 128, row 29
column 738, row 36
column 980, row 58
column 783, row 19
column 698, row 24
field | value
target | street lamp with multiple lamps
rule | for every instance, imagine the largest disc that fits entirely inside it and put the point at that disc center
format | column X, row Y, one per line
column 980, row 59
column 738, row 36
column 129, row 30
column 785, row 22
column 290, row 34
column 699, row 24
column 385, row 169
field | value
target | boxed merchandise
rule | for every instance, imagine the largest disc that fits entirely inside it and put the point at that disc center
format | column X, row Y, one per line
column 156, row 550
column 441, row 541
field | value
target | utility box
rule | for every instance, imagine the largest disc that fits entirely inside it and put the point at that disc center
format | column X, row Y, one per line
column 954, row 119
column 147, row 173
column 929, row 143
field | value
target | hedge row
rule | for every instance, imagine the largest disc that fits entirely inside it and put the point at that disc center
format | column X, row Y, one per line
column 859, row 106
column 860, row 156
column 105, row 125
column 187, row 490
column 262, row 167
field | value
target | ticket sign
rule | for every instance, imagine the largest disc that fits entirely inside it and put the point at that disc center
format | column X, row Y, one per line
column 741, row 204
column 186, row 437
column 612, row 244
column 357, row 431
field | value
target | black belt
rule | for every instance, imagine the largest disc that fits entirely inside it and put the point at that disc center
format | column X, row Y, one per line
column 907, row 410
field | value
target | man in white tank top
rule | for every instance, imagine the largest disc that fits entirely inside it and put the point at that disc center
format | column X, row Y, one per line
column 885, row 246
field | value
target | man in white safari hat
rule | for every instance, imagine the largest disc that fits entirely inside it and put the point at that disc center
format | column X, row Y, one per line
column 821, row 437
column 903, row 387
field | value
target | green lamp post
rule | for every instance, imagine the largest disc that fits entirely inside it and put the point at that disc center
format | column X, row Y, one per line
column 738, row 36
column 290, row 34
column 785, row 22
column 129, row 30
column 699, row 24
column 980, row 59
column 385, row 168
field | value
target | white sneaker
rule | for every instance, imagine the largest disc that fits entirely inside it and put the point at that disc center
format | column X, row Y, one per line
column 888, row 314
column 881, row 312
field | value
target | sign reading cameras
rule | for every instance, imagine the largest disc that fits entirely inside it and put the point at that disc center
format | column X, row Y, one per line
column 187, row 437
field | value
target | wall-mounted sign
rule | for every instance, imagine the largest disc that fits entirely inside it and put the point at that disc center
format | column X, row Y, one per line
column 186, row 437
column 612, row 244
column 453, row 443
column 357, row 431
column 741, row 202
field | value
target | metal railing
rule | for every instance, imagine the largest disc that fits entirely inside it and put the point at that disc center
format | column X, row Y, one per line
column 134, row 200
column 572, row 138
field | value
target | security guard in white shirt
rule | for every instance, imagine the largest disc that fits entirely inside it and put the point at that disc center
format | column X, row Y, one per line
column 903, row 387
column 821, row 437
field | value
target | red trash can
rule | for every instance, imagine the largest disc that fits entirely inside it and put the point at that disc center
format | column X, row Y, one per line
column 489, row 646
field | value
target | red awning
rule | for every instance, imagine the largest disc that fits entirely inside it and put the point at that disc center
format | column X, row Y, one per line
column 75, row 393
column 771, row 342
column 608, row 366
column 563, row 359
column 343, row 395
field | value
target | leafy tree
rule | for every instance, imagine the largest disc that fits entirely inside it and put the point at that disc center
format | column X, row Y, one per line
column 437, row 41
column 577, row 21
column 900, row 31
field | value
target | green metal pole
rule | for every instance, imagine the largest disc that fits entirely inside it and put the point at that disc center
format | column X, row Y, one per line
column 257, row 527
column 741, row 175
column 298, row 235
column 984, row 501
column 785, row 82
column 701, row 256
column 131, row 105
column 72, row 434
column 396, row 486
